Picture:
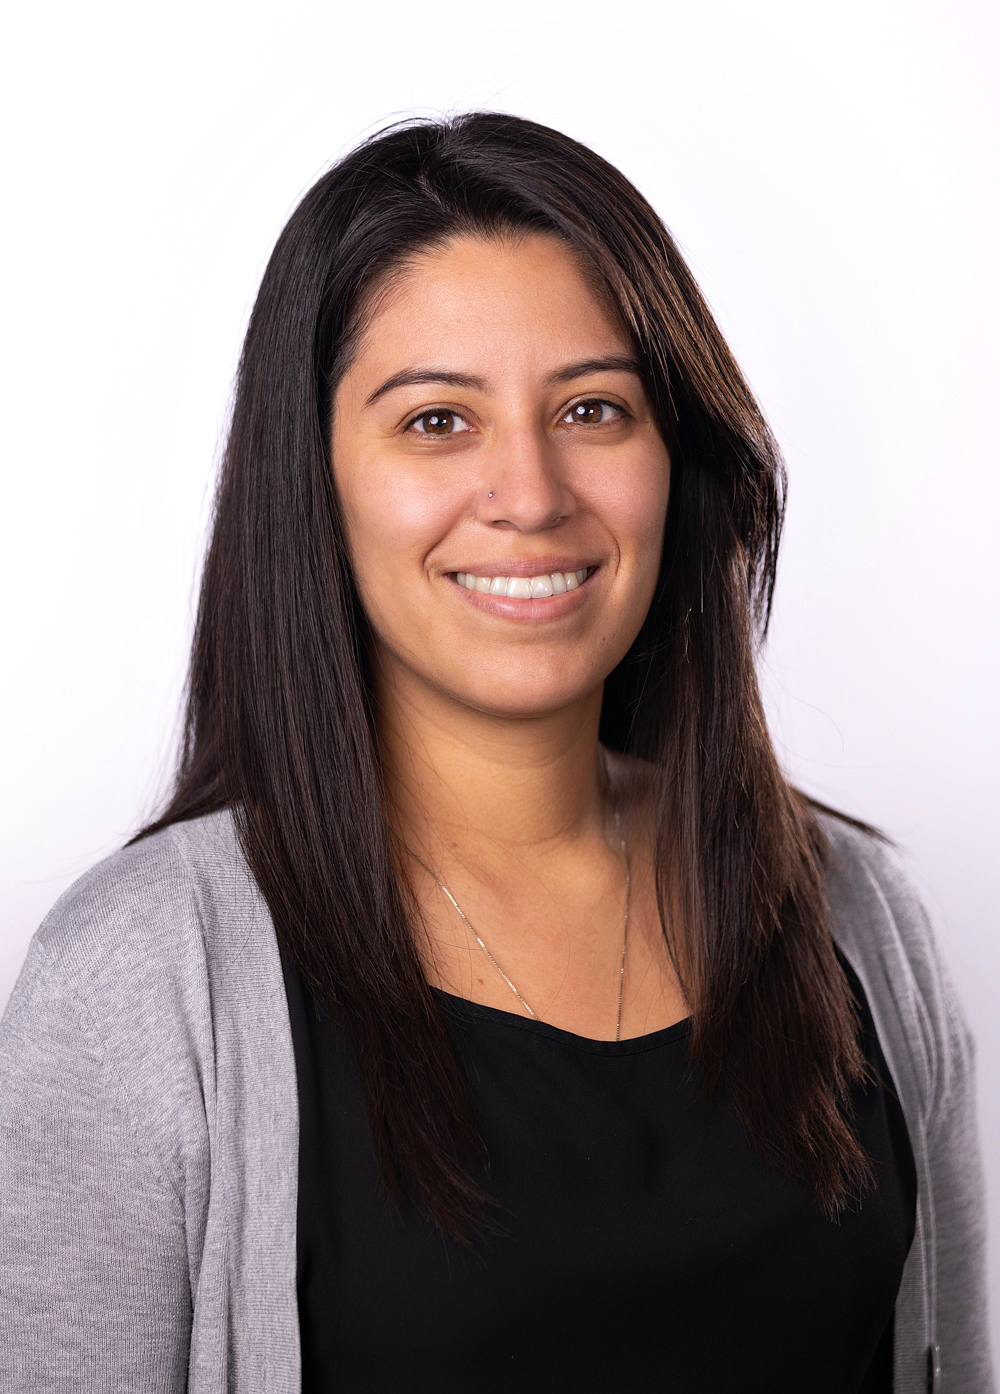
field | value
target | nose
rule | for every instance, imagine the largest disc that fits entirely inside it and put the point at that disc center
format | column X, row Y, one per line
column 523, row 488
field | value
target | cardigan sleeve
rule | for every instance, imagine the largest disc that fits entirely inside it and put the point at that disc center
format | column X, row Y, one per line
column 960, row 1295
column 959, row 1213
column 94, row 1273
column 149, row 1134
column 882, row 922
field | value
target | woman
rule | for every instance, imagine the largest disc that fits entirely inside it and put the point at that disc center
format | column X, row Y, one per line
column 486, row 1010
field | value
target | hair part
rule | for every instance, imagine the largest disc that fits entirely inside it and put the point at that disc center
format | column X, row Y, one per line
column 279, row 725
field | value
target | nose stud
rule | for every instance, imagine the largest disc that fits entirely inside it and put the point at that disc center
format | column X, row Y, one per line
column 491, row 495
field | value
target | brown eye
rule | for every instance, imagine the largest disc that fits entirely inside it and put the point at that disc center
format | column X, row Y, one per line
column 439, row 422
column 593, row 413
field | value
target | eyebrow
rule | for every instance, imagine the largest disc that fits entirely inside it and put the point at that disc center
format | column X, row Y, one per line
column 614, row 363
column 410, row 377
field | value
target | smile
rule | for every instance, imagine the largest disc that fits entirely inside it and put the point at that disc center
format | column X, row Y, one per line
column 524, row 587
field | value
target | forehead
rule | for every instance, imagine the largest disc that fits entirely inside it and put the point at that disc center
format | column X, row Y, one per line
column 524, row 301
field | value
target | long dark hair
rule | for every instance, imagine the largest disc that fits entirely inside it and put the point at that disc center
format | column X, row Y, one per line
column 279, row 721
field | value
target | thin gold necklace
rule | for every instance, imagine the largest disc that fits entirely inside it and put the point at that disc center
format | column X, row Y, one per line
column 475, row 934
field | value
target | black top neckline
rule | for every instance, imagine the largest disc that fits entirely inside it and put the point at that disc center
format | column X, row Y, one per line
column 632, row 1045
column 642, row 1241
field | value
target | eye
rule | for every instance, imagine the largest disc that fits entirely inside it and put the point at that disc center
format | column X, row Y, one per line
column 593, row 412
column 438, row 422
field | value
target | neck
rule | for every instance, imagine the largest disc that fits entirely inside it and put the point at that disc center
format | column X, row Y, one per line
column 484, row 788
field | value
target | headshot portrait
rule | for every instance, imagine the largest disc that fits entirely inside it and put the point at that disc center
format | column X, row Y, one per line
column 499, row 886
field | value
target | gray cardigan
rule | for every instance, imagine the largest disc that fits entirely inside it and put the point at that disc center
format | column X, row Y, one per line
column 149, row 1130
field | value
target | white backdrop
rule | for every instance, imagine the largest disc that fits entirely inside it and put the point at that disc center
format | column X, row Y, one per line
column 828, row 168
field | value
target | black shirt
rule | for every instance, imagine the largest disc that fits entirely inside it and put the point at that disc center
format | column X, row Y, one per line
column 647, row 1245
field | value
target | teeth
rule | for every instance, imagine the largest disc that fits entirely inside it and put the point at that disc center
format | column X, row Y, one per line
column 523, row 587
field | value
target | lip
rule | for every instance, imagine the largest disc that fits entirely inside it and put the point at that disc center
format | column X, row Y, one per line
column 528, row 566
column 552, row 608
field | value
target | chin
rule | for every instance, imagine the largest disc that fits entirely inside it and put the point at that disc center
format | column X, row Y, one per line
column 519, row 701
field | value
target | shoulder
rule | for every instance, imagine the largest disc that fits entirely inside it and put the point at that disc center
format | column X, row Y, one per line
column 152, row 903
column 139, row 948
column 880, row 922
column 107, row 1046
column 136, row 980
column 867, row 879
column 877, row 910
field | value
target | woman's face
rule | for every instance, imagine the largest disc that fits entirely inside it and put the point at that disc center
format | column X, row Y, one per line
column 502, row 480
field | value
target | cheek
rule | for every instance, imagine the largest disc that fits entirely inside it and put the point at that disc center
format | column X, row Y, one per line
column 394, row 516
column 631, row 501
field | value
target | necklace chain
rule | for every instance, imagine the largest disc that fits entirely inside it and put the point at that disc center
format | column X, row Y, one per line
column 475, row 934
